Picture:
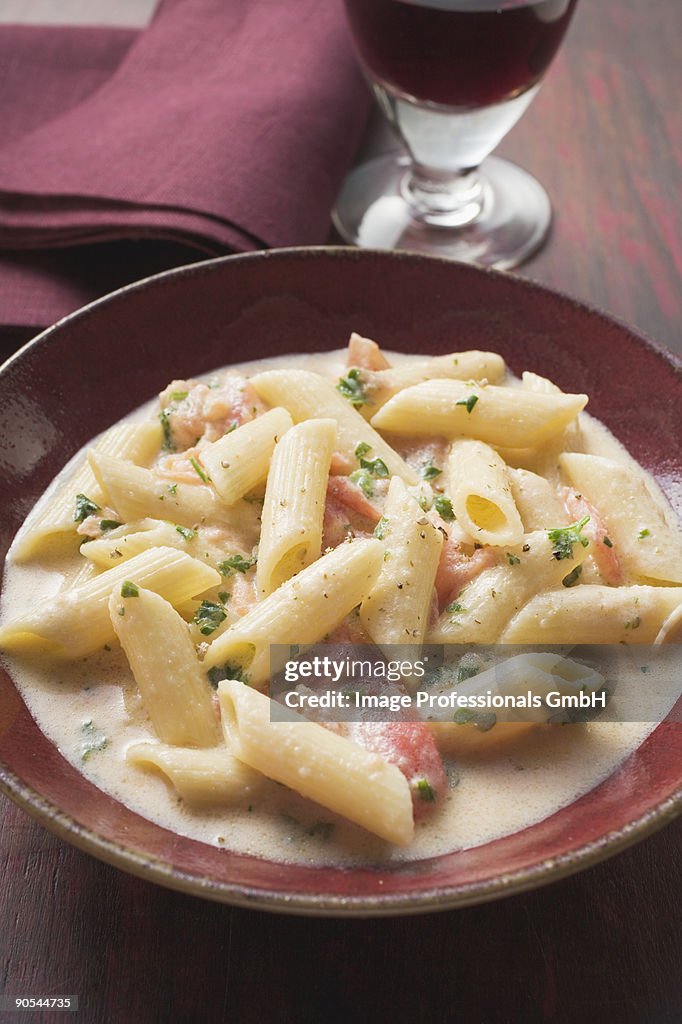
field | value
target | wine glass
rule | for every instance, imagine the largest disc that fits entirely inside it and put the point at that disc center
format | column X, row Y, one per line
column 452, row 77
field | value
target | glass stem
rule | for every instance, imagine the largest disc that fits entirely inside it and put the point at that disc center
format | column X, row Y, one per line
column 443, row 198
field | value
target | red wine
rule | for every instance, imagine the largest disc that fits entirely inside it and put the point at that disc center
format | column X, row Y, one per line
column 461, row 53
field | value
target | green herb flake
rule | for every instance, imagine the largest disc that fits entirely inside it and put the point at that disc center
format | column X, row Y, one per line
column 227, row 671
column 108, row 524
column 377, row 467
column 573, row 576
column 363, row 479
column 382, row 528
column 424, row 791
column 168, row 444
column 199, row 470
column 84, row 508
column 208, row 617
column 430, row 472
column 129, row 589
column 454, row 608
column 564, row 537
column 361, row 449
column 607, row 540
column 634, row 623
column 223, row 596
column 235, row 563
column 485, row 720
column 443, row 507
column 178, row 396
column 464, row 716
column 469, row 402
column 172, row 489
column 465, row 672
column 513, row 559
column 643, row 533
column 352, row 388
column 186, row 532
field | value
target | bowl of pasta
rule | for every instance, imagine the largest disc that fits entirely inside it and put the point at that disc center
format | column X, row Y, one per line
column 227, row 486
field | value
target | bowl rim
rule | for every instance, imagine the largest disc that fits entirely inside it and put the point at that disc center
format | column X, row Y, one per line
column 439, row 897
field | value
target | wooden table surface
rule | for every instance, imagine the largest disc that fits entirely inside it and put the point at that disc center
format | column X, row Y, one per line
column 605, row 137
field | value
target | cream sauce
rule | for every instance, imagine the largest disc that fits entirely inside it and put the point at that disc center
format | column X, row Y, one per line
column 490, row 796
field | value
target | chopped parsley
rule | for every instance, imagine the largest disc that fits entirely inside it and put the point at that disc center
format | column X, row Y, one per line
column 643, row 533
column 186, row 532
column 634, row 623
column 607, row 540
column 178, row 396
column 199, row 470
column 443, row 507
column 361, row 449
column 84, row 508
column 454, row 608
column 424, row 791
column 172, row 489
column 224, row 596
column 564, row 537
column 352, row 388
column 430, row 472
column 108, row 524
column 483, row 720
column 463, row 716
column 381, row 529
column 469, row 402
column 513, row 559
column 168, row 444
column 235, row 563
column 573, row 576
column 227, row 671
column 95, row 740
column 129, row 589
column 363, row 479
column 465, row 672
column 208, row 617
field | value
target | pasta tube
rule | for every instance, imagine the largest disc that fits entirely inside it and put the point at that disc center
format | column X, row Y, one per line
column 512, row 417
column 302, row 610
column 291, row 531
column 647, row 545
column 239, row 461
column 201, row 776
column 479, row 486
column 471, row 365
column 485, row 606
column 137, row 442
column 76, row 622
column 308, row 396
column 165, row 667
column 594, row 615
column 318, row 764
column 138, row 493
column 396, row 609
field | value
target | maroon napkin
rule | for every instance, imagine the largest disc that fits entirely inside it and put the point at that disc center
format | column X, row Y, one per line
column 225, row 125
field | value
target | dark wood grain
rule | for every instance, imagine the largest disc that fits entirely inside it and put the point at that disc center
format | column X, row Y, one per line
column 605, row 137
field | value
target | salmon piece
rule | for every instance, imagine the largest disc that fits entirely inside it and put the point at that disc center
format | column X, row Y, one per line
column 456, row 569
column 605, row 557
column 411, row 747
column 366, row 354
column 195, row 411
column 347, row 510
column 178, row 467
column 91, row 526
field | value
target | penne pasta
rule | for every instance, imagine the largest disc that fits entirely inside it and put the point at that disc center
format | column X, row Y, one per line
column 291, row 530
column 320, row 765
column 479, row 486
column 165, row 666
column 510, row 417
column 201, row 776
column 396, row 609
column 76, row 622
column 308, row 396
column 240, row 460
column 302, row 611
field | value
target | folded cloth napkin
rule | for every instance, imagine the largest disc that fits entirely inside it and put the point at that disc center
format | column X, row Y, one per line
column 225, row 125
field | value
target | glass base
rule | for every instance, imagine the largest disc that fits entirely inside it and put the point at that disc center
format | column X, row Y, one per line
column 509, row 218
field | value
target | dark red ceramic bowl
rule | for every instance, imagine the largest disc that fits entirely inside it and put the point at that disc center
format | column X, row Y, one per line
column 96, row 365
